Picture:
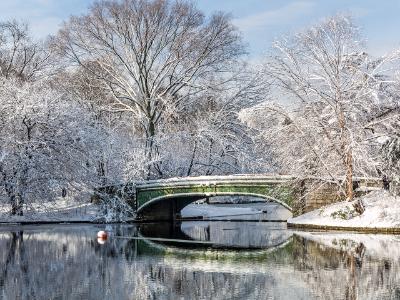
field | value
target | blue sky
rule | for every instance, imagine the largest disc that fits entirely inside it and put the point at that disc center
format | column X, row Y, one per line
column 261, row 21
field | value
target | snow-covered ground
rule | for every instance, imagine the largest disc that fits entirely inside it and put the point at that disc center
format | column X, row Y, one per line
column 213, row 211
column 270, row 211
column 57, row 211
column 382, row 210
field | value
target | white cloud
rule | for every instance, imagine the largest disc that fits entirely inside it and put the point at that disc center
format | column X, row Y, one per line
column 284, row 14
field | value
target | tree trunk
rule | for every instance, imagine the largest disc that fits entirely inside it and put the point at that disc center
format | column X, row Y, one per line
column 17, row 202
column 17, row 199
column 358, row 206
column 192, row 159
column 349, row 176
column 149, row 146
column 101, row 171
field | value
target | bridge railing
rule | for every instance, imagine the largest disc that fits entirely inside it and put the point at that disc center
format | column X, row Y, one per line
column 223, row 178
column 259, row 178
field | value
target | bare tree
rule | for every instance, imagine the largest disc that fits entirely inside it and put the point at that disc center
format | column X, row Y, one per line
column 20, row 56
column 150, row 55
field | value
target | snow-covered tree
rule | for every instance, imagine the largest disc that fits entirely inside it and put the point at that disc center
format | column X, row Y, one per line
column 206, row 137
column 151, row 55
column 391, row 159
column 328, row 88
column 119, row 157
column 47, row 144
column 386, row 123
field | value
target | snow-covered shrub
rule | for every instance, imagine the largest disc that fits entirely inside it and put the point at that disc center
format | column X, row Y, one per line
column 115, row 209
column 345, row 213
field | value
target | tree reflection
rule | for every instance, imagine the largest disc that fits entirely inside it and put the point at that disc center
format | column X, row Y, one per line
column 10, row 251
column 66, row 262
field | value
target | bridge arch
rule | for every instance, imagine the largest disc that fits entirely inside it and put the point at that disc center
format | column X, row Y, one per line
column 167, row 206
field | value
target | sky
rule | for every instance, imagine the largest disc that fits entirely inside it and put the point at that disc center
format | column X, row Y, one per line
column 260, row 21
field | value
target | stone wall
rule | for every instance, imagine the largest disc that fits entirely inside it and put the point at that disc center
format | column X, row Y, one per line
column 312, row 194
column 319, row 195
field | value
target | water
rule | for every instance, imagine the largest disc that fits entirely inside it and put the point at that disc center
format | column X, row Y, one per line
column 234, row 260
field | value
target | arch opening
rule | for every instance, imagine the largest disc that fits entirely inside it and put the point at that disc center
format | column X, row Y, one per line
column 167, row 207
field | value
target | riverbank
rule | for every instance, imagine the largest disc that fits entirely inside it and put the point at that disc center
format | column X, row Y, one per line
column 69, row 211
column 382, row 214
column 60, row 211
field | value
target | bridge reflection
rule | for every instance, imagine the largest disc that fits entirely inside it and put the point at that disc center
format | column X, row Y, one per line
column 226, row 235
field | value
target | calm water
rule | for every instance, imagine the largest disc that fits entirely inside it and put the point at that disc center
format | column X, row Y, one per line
column 234, row 260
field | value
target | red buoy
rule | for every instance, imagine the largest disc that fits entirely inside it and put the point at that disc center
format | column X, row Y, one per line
column 101, row 241
column 102, row 235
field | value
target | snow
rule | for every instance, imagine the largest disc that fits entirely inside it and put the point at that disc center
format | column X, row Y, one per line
column 57, row 211
column 382, row 210
column 250, row 211
column 213, row 211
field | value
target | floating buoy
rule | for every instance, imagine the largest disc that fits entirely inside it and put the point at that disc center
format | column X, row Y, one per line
column 101, row 241
column 102, row 235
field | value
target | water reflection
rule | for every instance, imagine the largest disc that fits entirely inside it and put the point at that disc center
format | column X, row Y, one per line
column 66, row 262
column 364, row 266
column 220, row 234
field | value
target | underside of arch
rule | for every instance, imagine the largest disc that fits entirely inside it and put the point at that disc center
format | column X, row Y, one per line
column 166, row 207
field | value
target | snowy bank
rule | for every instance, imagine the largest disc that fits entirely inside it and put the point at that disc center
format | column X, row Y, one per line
column 382, row 213
column 249, row 211
column 212, row 211
column 57, row 211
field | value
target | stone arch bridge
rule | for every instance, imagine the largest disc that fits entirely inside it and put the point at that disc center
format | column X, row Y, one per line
column 162, row 200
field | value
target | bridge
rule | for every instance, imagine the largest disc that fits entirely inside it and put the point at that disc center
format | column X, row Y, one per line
column 162, row 200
